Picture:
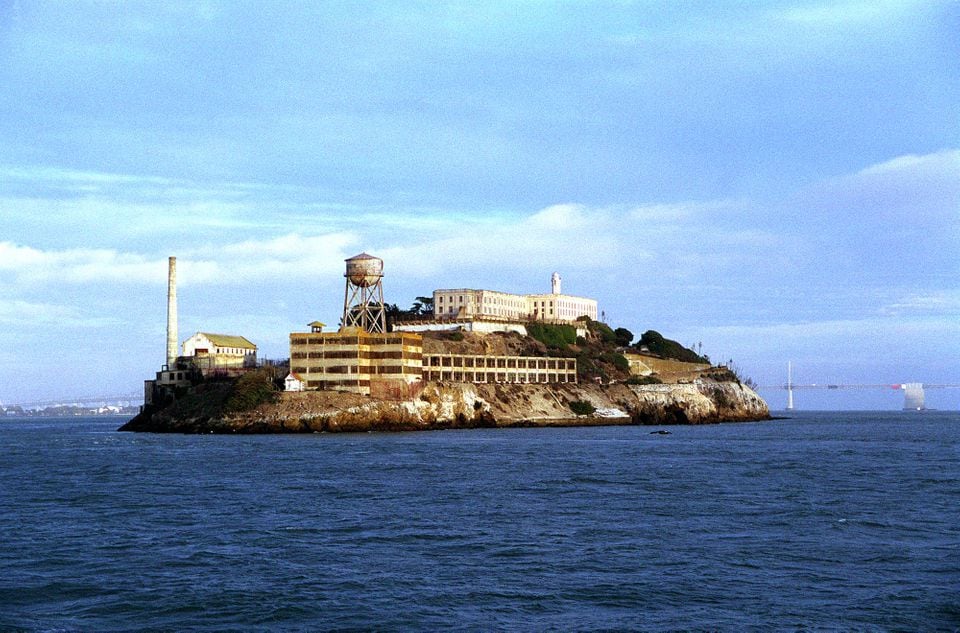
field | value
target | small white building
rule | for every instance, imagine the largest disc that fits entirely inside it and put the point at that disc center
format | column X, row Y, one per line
column 293, row 382
column 220, row 350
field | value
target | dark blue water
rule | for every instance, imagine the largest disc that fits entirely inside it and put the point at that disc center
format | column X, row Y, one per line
column 825, row 521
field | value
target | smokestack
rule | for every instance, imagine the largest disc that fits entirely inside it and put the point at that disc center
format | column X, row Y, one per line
column 172, row 313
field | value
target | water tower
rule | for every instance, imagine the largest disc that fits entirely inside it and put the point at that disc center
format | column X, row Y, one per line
column 363, row 297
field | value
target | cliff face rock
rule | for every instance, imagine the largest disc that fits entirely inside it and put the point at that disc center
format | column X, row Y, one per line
column 458, row 405
column 698, row 403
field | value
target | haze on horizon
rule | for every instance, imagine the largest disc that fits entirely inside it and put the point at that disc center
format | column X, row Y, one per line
column 777, row 180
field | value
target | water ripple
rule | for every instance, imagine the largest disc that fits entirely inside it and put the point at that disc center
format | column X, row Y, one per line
column 823, row 522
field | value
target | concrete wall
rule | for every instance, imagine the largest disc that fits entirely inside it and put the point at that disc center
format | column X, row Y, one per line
column 483, row 326
column 668, row 366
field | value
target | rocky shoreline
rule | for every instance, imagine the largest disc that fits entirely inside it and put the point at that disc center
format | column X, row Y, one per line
column 445, row 405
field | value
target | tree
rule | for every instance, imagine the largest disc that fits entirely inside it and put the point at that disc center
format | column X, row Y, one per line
column 393, row 311
column 422, row 306
column 657, row 344
column 624, row 336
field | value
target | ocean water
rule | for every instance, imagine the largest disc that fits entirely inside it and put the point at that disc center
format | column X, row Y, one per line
column 825, row 521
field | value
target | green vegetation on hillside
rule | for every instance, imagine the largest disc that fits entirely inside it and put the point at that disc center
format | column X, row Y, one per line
column 581, row 407
column 644, row 380
column 664, row 347
column 553, row 336
column 251, row 390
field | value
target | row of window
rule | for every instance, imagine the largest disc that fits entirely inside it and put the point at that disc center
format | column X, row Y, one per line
column 507, row 362
column 358, row 355
column 392, row 339
column 498, row 376
column 360, row 370
column 232, row 350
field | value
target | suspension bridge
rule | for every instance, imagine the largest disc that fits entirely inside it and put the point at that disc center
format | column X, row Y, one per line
column 914, row 393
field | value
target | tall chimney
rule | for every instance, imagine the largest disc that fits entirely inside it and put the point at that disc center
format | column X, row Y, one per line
column 172, row 314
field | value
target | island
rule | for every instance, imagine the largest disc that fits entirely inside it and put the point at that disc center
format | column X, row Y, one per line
column 460, row 359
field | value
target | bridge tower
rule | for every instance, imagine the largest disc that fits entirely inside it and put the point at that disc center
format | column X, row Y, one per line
column 789, row 386
column 913, row 396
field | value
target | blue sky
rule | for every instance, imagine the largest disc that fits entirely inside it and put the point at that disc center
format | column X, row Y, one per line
column 777, row 180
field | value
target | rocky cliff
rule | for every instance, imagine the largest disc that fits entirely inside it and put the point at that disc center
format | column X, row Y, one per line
column 442, row 405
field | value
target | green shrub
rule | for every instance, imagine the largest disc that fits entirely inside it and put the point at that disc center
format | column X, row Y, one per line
column 251, row 390
column 666, row 348
column 552, row 335
column 603, row 331
column 644, row 380
column 582, row 407
column 617, row 360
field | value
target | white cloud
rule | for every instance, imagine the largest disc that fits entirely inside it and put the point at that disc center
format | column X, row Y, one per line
column 682, row 211
column 934, row 304
column 31, row 265
column 17, row 312
column 560, row 236
column 58, row 175
column 290, row 256
column 846, row 13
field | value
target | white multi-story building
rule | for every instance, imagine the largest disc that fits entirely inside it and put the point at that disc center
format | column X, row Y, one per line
column 468, row 303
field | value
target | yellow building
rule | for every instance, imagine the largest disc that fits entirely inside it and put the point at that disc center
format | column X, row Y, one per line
column 394, row 365
column 357, row 361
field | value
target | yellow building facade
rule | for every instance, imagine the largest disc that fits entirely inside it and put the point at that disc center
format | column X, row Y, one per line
column 357, row 361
